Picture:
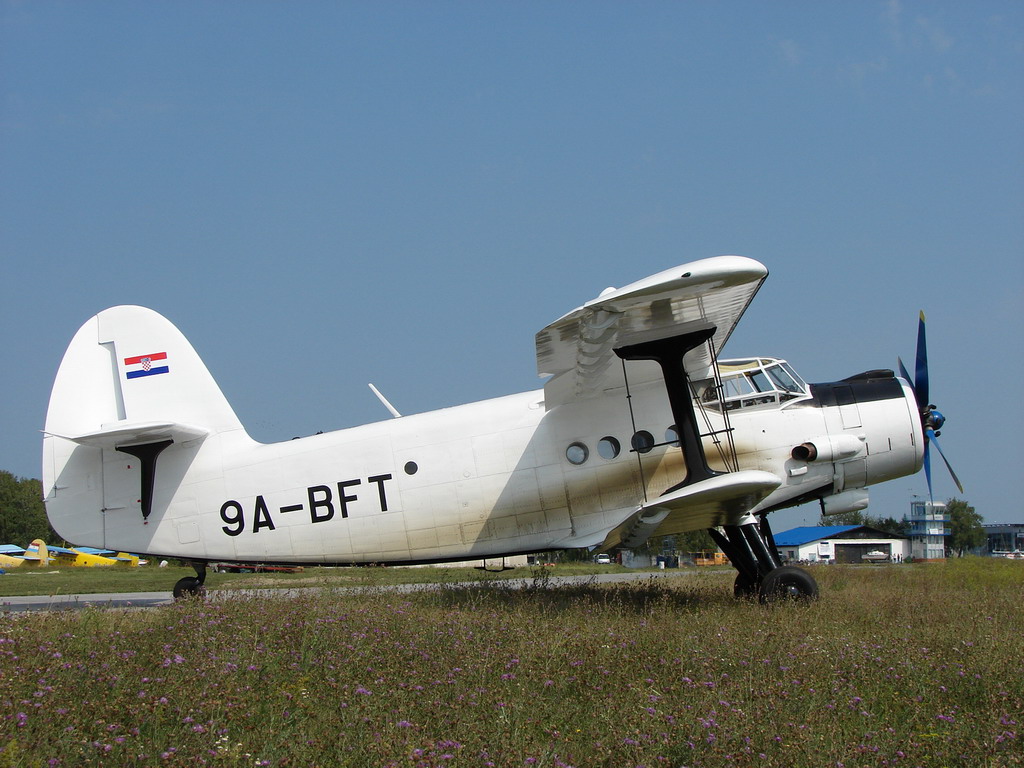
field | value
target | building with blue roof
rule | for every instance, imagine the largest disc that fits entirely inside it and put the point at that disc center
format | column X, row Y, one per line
column 841, row 544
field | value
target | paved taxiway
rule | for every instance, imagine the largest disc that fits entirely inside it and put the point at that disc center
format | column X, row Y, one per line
column 20, row 604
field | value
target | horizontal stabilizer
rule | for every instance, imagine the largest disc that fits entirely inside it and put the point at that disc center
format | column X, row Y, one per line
column 122, row 433
column 719, row 500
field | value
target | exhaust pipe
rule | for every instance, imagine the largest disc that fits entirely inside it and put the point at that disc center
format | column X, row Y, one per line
column 829, row 448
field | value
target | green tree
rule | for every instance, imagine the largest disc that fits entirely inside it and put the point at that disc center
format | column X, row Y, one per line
column 858, row 517
column 22, row 514
column 888, row 524
column 854, row 517
column 966, row 531
column 696, row 541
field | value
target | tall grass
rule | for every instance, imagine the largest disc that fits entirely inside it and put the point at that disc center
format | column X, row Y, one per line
column 901, row 666
column 64, row 580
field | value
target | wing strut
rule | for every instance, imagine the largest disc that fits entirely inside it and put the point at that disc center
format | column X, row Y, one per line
column 668, row 352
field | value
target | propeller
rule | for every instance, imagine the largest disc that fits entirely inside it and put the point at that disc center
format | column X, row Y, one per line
column 931, row 419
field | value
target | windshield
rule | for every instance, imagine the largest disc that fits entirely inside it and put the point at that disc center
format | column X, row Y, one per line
column 754, row 383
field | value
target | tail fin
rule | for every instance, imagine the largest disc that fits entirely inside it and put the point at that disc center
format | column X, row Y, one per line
column 37, row 552
column 127, row 367
column 130, row 386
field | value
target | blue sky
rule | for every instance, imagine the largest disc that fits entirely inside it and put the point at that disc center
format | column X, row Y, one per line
column 326, row 194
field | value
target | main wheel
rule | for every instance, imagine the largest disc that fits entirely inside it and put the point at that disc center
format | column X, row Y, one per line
column 744, row 586
column 788, row 583
column 189, row 586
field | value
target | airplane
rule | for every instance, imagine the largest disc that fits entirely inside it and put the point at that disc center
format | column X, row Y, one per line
column 89, row 557
column 37, row 555
column 11, row 556
column 40, row 554
column 640, row 430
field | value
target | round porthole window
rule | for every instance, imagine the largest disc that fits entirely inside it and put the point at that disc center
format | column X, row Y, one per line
column 608, row 447
column 672, row 436
column 577, row 453
column 643, row 441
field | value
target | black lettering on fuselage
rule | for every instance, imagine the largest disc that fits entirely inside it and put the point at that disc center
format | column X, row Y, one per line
column 320, row 503
column 343, row 498
column 262, row 519
column 237, row 519
column 379, row 480
column 321, row 500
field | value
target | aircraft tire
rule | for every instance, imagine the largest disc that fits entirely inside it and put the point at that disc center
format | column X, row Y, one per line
column 189, row 586
column 745, row 587
column 788, row 583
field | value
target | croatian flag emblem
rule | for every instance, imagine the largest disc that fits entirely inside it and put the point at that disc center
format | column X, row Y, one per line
column 146, row 365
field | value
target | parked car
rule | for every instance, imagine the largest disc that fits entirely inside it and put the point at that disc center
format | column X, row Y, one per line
column 603, row 559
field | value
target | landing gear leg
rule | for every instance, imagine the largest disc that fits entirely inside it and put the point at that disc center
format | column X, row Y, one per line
column 191, row 586
column 751, row 549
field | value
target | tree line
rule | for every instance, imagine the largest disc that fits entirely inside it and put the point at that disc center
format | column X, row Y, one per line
column 22, row 514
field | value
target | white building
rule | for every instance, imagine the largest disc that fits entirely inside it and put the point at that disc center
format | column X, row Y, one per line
column 841, row 544
column 928, row 530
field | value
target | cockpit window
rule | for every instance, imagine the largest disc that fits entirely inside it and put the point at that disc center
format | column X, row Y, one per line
column 751, row 384
column 782, row 377
column 800, row 383
column 761, row 381
column 736, row 386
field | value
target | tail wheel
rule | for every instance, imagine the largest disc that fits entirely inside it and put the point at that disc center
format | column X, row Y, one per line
column 788, row 583
column 187, row 587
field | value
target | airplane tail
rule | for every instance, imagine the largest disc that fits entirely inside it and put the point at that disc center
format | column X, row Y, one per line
column 127, row 560
column 128, row 366
column 130, row 390
column 37, row 552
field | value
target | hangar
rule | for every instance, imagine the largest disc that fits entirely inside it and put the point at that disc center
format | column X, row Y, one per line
column 841, row 544
column 1004, row 539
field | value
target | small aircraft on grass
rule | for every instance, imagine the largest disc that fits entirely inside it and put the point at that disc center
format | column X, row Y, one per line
column 641, row 430
column 39, row 554
column 90, row 557
column 36, row 556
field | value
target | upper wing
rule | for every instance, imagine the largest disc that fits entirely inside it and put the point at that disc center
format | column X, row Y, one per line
column 578, row 349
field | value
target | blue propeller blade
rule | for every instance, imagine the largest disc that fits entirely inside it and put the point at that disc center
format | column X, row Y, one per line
column 933, row 439
column 921, row 371
column 906, row 375
column 928, row 469
column 931, row 418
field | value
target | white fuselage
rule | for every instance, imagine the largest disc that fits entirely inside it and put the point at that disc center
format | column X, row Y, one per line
column 479, row 480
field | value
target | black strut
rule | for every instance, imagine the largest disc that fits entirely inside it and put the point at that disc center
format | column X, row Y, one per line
column 147, row 454
column 668, row 353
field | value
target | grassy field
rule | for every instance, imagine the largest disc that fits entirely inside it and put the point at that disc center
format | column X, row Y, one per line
column 896, row 666
column 67, row 580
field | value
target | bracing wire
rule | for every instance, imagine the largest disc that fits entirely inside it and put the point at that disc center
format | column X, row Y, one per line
column 632, row 422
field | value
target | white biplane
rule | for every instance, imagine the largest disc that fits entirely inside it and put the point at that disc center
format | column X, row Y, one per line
column 640, row 431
